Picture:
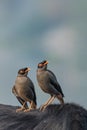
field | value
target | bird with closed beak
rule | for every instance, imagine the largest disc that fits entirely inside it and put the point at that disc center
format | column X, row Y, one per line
column 49, row 84
column 24, row 90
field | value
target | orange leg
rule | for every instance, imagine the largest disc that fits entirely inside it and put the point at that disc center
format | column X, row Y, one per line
column 22, row 108
column 32, row 107
column 45, row 103
column 49, row 101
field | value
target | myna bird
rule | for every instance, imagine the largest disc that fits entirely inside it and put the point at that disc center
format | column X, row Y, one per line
column 24, row 90
column 49, row 84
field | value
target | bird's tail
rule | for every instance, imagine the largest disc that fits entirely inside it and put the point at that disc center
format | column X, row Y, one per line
column 60, row 97
column 35, row 99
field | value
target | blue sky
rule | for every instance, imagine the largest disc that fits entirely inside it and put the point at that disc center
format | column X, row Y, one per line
column 31, row 31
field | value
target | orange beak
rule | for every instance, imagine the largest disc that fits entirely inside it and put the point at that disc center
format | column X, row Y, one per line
column 28, row 69
column 46, row 63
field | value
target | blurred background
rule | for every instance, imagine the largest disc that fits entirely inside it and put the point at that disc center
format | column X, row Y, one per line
column 55, row 30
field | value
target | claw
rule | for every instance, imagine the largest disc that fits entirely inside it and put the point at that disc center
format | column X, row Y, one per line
column 20, row 109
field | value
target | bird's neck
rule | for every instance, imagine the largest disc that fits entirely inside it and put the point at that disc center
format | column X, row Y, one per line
column 19, row 75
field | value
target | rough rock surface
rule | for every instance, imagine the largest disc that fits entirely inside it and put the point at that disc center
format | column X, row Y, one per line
column 56, row 117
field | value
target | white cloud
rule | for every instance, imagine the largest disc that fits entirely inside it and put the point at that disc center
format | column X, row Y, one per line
column 60, row 41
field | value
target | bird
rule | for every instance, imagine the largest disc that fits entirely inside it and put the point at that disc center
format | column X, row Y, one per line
column 48, row 83
column 24, row 90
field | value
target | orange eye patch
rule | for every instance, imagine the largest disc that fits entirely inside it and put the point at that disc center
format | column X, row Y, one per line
column 40, row 65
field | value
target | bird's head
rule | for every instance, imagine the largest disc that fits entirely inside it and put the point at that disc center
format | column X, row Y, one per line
column 24, row 71
column 43, row 65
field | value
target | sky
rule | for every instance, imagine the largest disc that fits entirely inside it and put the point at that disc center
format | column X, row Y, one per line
column 31, row 31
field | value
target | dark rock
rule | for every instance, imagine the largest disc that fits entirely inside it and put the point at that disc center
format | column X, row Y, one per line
column 56, row 117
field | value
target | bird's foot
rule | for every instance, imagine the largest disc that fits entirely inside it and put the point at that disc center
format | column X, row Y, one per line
column 26, row 110
column 29, row 109
column 20, row 109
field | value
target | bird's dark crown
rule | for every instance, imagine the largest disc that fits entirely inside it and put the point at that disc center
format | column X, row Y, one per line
column 43, row 63
column 22, row 71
